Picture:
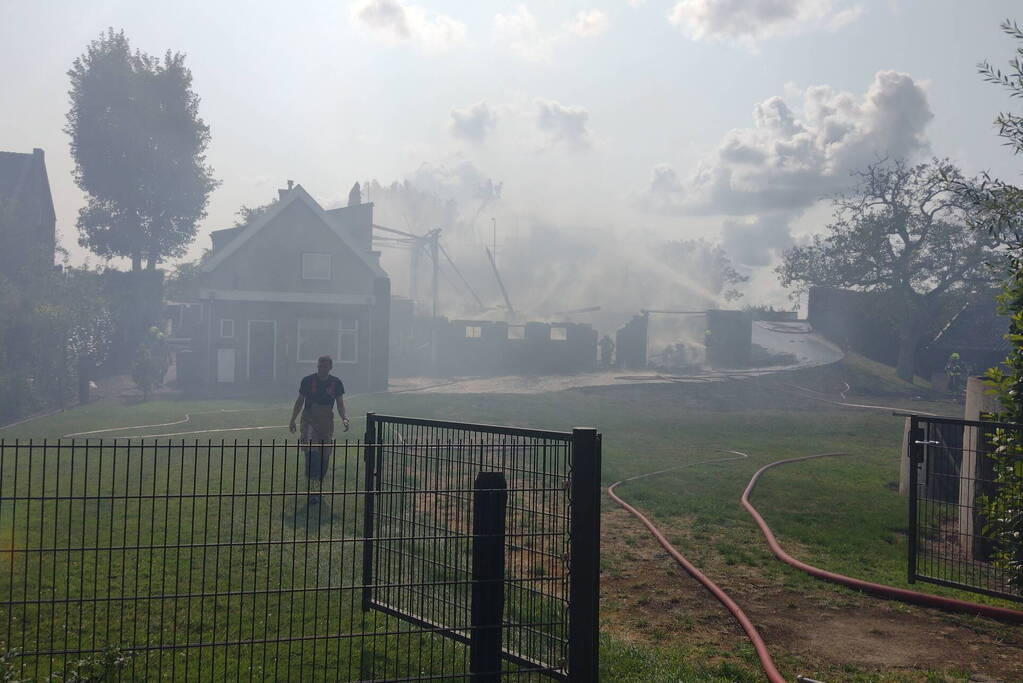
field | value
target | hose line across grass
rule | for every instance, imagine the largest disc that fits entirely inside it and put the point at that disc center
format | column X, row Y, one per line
column 877, row 589
column 744, row 621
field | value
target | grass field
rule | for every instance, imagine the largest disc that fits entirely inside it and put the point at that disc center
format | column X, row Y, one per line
column 842, row 514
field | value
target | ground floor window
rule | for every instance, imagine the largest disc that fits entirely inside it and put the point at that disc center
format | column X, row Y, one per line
column 327, row 336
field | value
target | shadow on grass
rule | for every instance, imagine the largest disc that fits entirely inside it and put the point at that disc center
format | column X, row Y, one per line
column 314, row 517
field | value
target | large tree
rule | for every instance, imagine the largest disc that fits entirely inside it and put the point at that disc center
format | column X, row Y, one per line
column 904, row 231
column 139, row 147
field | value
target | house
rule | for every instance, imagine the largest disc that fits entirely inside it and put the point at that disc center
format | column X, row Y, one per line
column 29, row 233
column 295, row 283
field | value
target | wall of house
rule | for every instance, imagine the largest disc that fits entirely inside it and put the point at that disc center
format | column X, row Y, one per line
column 272, row 259
column 363, row 375
column 729, row 338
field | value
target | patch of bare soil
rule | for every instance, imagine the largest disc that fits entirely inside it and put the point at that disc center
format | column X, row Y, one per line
column 647, row 598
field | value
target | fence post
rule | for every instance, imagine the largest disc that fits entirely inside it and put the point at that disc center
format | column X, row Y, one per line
column 584, row 556
column 369, row 447
column 915, row 438
column 489, row 502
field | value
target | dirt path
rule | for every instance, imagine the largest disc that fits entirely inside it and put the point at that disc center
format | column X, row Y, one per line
column 646, row 597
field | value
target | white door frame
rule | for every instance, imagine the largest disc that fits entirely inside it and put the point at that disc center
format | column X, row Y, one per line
column 248, row 349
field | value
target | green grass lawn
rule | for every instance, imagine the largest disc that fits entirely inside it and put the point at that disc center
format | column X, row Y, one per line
column 842, row 514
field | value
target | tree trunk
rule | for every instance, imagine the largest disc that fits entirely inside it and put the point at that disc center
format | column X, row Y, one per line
column 136, row 262
column 909, row 338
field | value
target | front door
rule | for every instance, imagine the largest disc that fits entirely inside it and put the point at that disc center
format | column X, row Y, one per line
column 225, row 365
column 262, row 350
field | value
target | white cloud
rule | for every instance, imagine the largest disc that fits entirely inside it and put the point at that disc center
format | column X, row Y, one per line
column 755, row 240
column 395, row 21
column 563, row 125
column 519, row 31
column 748, row 21
column 791, row 158
column 664, row 192
column 588, row 23
column 473, row 123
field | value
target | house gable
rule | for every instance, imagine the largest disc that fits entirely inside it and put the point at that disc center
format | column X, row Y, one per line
column 289, row 197
column 267, row 255
column 25, row 185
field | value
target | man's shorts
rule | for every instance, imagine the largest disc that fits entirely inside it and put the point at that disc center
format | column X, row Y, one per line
column 319, row 435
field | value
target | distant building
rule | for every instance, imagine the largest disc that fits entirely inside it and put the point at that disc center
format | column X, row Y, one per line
column 29, row 234
column 976, row 333
column 295, row 283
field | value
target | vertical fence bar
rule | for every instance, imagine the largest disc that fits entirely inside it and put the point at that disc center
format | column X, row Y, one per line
column 584, row 556
column 369, row 452
column 915, row 437
column 489, row 504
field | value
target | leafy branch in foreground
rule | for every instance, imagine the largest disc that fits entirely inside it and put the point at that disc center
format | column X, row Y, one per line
column 1000, row 211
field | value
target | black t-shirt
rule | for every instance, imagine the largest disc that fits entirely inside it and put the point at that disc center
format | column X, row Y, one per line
column 321, row 391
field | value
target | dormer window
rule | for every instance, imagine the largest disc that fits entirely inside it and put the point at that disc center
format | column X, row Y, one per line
column 315, row 266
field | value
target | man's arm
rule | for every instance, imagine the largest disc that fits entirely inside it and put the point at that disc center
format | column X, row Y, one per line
column 343, row 412
column 299, row 402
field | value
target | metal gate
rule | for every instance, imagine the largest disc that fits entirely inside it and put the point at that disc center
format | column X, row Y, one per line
column 214, row 560
column 951, row 480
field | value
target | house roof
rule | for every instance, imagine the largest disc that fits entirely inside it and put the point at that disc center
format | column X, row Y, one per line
column 15, row 169
column 287, row 198
column 976, row 327
column 19, row 173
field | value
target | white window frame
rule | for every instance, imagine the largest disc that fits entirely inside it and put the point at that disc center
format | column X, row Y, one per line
column 223, row 335
column 248, row 348
column 473, row 331
column 347, row 328
column 563, row 330
column 344, row 328
column 521, row 328
column 307, row 264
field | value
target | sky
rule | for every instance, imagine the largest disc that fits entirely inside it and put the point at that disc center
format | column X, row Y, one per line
column 619, row 121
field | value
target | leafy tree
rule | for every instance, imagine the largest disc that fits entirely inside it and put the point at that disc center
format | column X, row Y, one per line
column 139, row 147
column 48, row 320
column 998, row 207
column 247, row 214
column 904, row 231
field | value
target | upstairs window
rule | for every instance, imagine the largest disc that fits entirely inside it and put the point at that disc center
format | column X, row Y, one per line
column 226, row 328
column 473, row 331
column 559, row 334
column 315, row 266
column 516, row 332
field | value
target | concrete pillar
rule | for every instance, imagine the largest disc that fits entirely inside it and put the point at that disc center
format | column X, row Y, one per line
column 978, row 402
column 904, row 463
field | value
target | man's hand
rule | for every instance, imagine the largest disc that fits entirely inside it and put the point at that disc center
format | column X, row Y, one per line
column 347, row 422
column 291, row 426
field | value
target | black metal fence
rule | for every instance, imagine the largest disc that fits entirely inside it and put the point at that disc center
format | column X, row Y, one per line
column 432, row 551
column 955, row 495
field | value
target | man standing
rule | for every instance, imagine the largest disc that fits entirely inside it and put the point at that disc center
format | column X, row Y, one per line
column 317, row 395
